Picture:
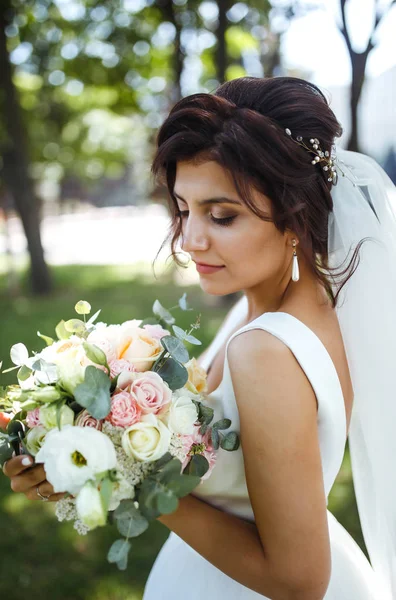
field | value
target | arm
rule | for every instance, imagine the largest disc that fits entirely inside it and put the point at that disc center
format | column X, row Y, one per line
column 285, row 554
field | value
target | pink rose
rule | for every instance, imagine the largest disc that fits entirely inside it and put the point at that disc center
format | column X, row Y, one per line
column 151, row 392
column 33, row 418
column 196, row 443
column 120, row 365
column 84, row 419
column 124, row 410
column 156, row 331
column 99, row 339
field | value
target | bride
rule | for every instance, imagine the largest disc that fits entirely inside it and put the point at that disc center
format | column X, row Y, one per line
column 264, row 206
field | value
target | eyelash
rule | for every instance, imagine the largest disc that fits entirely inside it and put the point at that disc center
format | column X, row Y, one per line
column 224, row 222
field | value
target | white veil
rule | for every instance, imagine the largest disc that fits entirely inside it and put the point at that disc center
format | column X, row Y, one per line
column 365, row 206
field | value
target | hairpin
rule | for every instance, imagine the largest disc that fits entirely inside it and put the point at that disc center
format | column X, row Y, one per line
column 325, row 157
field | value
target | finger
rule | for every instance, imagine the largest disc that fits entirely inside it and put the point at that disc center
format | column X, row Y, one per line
column 27, row 479
column 17, row 464
column 45, row 490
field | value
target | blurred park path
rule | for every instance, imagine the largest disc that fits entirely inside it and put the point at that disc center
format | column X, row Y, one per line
column 93, row 236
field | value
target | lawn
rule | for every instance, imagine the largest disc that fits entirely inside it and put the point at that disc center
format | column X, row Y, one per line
column 41, row 558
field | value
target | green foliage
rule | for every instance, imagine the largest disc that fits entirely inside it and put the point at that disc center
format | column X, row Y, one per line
column 94, row 393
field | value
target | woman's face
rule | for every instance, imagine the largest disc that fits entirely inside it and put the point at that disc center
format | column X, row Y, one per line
column 252, row 252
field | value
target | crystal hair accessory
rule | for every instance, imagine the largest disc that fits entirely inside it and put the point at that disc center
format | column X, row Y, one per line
column 328, row 160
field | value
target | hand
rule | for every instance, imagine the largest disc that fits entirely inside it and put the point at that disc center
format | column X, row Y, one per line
column 26, row 477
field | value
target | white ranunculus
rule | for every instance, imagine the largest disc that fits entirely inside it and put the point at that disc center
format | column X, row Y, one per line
column 74, row 455
column 89, row 506
column 48, row 416
column 70, row 359
column 35, row 439
column 182, row 415
column 147, row 440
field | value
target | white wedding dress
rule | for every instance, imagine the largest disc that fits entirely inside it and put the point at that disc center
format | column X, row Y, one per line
column 179, row 572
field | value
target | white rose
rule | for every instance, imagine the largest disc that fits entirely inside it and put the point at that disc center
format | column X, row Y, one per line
column 70, row 359
column 74, row 455
column 89, row 507
column 35, row 439
column 48, row 416
column 147, row 440
column 182, row 415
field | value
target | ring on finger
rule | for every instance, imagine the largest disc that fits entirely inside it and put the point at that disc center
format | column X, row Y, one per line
column 43, row 498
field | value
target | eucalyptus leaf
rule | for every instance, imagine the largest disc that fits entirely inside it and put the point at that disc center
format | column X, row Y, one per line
column 183, row 302
column 61, row 331
column 6, row 451
column 203, row 429
column 75, row 326
column 222, row 424
column 169, row 471
column 15, row 426
column 19, row 354
column 176, row 348
column 92, row 320
column 147, row 498
column 118, row 553
column 214, row 434
column 94, row 393
column 163, row 313
column 183, row 485
column 179, row 332
column 149, row 321
column 205, row 413
column 59, row 406
column 230, row 441
column 48, row 340
column 173, row 373
column 167, row 502
column 198, row 466
column 130, row 522
column 165, row 458
column 193, row 340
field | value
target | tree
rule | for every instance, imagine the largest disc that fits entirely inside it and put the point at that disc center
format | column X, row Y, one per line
column 358, row 64
column 16, row 162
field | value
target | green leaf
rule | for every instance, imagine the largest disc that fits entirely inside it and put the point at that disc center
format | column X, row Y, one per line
column 184, row 485
column 163, row 313
column 130, row 521
column 214, row 434
column 169, row 472
column 48, row 340
column 58, row 406
column 19, row 354
column 11, row 369
column 82, row 307
column 165, row 458
column 203, row 429
column 198, row 466
column 175, row 374
column 222, row 424
column 24, row 373
column 175, row 347
column 118, row 553
column 230, row 441
column 193, row 340
column 106, row 489
column 75, row 326
column 61, row 331
column 183, row 302
column 149, row 321
column 179, row 332
column 95, row 354
column 167, row 502
column 205, row 413
column 15, row 426
column 94, row 393
column 149, row 489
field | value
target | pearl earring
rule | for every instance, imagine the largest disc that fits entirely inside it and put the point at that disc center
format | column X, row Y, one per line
column 295, row 269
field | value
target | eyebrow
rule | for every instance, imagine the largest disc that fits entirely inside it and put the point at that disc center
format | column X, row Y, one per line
column 218, row 200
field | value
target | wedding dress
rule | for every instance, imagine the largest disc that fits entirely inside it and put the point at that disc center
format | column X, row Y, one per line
column 179, row 572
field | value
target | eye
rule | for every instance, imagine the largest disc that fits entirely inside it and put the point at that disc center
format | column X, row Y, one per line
column 224, row 222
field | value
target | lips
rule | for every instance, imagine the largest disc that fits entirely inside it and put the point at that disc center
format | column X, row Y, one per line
column 207, row 265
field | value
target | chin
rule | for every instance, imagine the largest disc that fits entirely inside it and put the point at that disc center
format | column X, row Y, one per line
column 216, row 289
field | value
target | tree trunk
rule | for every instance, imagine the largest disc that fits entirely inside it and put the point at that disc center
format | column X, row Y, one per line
column 358, row 62
column 221, row 50
column 15, row 167
column 168, row 10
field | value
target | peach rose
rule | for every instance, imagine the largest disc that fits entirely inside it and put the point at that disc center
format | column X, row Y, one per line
column 120, row 365
column 196, row 377
column 124, row 410
column 138, row 347
column 151, row 392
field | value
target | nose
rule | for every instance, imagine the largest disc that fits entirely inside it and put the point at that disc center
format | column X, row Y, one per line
column 194, row 238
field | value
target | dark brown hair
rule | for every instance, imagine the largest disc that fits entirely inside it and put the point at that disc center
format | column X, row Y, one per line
column 241, row 126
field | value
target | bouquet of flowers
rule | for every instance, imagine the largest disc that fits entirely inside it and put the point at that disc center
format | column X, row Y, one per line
column 118, row 415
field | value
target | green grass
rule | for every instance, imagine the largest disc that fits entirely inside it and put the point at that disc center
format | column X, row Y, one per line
column 41, row 558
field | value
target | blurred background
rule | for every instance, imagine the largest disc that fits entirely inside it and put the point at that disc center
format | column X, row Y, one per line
column 84, row 87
